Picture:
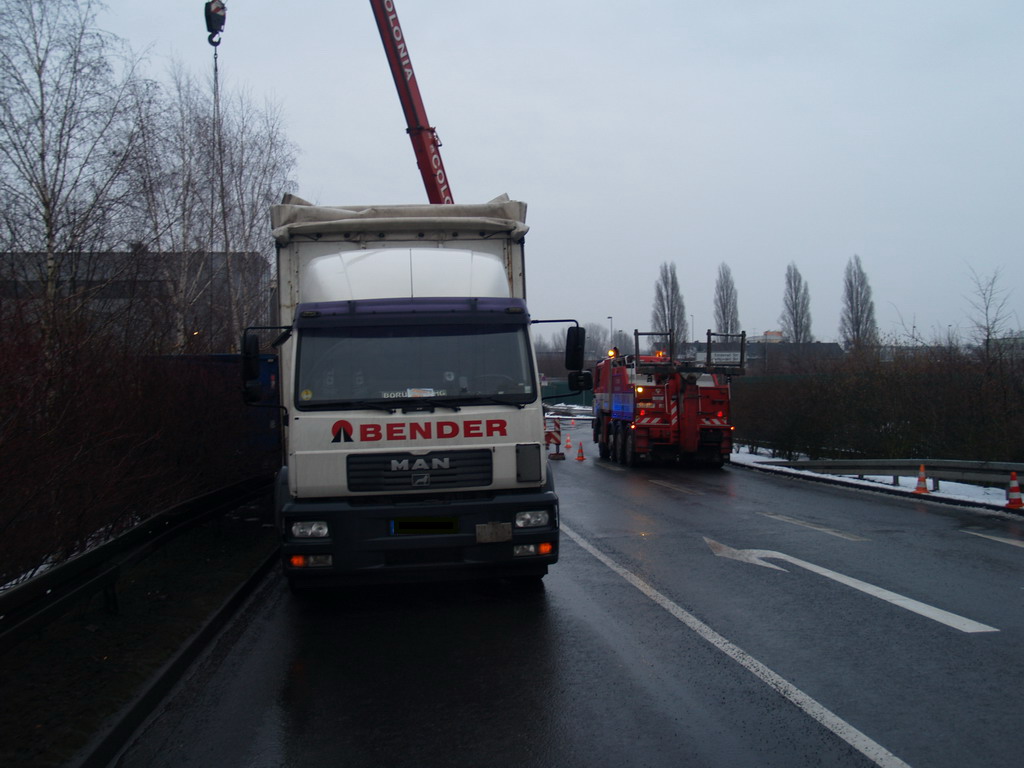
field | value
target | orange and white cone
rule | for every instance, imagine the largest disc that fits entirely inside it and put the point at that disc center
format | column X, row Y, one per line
column 568, row 443
column 581, row 457
column 922, row 486
column 1014, row 494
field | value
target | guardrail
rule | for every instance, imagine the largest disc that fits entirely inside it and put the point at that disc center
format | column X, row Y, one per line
column 50, row 594
column 990, row 473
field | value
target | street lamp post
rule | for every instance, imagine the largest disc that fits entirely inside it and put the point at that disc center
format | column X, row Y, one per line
column 611, row 333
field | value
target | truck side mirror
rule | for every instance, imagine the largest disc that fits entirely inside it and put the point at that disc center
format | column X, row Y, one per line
column 251, row 386
column 575, row 341
column 581, row 381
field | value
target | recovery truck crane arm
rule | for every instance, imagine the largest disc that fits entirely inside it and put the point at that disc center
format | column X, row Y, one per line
column 424, row 138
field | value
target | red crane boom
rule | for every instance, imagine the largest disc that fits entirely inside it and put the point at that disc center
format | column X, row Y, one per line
column 424, row 138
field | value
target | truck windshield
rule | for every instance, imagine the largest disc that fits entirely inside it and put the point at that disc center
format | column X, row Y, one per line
column 456, row 363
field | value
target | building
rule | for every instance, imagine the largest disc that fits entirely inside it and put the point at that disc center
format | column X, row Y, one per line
column 158, row 302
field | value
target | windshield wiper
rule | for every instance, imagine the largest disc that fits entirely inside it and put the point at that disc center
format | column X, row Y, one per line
column 413, row 404
column 495, row 400
column 373, row 405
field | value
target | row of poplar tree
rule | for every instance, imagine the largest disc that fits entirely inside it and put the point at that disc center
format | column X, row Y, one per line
column 857, row 328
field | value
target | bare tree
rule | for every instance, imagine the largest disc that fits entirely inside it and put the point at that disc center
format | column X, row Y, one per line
column 857, row 327
column 66, row 135
column 214, row 237
column 669, row 311
column 171, row 177
column 258, row 158
column 796, row 308
column 598, row 341
column 105, row 179
column 727, row 311
column 990, row 314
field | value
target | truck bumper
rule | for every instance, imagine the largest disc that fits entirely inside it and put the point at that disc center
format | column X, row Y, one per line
column 374, row 541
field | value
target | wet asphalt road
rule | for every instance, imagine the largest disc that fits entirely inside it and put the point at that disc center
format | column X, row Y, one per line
column 645, row 647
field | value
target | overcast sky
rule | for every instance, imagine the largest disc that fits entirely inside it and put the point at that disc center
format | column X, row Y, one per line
column 749, row 132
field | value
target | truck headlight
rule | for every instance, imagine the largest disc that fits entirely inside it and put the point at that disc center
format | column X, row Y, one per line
column 532, row 518
column 310, row 529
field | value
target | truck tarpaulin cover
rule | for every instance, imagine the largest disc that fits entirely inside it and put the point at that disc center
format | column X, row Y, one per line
column 294, row 217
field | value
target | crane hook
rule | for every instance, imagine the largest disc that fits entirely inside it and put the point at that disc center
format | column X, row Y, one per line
column 215, row 12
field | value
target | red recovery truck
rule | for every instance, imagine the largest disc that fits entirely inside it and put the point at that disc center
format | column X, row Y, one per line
column 655, row 406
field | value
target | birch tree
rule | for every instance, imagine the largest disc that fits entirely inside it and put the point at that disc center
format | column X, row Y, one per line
column 214, row 236
column 66, row 136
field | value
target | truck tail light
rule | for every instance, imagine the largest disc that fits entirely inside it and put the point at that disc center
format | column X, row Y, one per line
column 524, row 550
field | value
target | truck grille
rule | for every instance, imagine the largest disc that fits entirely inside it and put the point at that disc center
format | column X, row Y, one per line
column 419, row 472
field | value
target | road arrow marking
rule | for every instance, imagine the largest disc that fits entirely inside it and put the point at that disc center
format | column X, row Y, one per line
column 871, row 749
column 759, row 556
column 743, row 555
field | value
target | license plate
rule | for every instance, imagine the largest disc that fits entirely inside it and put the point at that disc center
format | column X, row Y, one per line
column 491, row 533
column 421, row 526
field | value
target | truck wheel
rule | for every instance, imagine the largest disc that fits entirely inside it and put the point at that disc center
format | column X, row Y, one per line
column 629, row 449
column 620, row 444
column 602, row 445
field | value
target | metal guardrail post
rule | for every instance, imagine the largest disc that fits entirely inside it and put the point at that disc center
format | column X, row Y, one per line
column 979, row 472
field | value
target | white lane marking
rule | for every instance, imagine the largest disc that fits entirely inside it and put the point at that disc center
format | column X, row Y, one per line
column 1011, row 542
column 680, row 488
column 758, row 557
column 815, row 526
column 871, row 749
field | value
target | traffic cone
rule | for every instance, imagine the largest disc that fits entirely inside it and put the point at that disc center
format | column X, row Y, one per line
column 581, row 457
column 922, row 486
column 568, row 443
column 572, row 423
column 1014, row 496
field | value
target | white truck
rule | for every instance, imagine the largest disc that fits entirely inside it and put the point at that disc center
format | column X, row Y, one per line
column 414, row 428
